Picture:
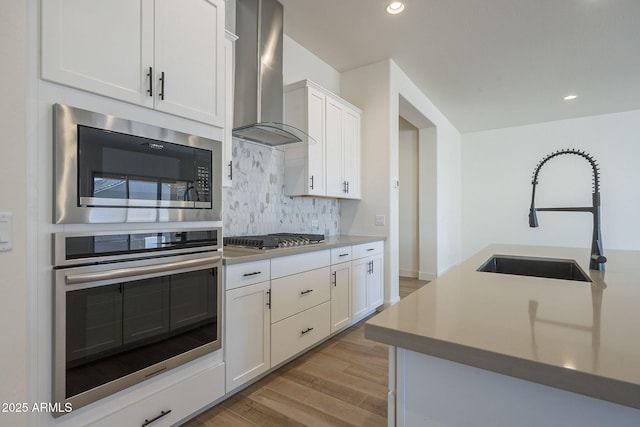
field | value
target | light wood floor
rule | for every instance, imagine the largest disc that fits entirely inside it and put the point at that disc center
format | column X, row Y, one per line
column 342, row 382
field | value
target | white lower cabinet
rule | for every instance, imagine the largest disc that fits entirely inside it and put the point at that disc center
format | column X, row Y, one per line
column 172, row 404
column 293, row 334
column 367, row 284
column 340, row 298
column 247, row 333
column 276, row 308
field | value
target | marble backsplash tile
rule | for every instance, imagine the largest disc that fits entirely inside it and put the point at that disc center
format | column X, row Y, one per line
column 256, row 203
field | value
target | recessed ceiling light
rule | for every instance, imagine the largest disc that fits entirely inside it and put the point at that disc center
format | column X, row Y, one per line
column 570, row 97
column 395, row 7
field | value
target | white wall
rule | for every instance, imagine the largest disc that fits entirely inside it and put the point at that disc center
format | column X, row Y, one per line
column 447, row 173
column 497, row 171
column 299, row 64
column 13, row 198
column 409, row 198
column 378, row 89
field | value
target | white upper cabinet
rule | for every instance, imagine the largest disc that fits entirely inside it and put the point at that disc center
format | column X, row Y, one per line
column 189, row 50
column 330, row 164
column 305, row 163
column 227, row 143
column 162, row 54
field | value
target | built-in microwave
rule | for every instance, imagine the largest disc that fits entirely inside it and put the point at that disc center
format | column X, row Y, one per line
column 114, row 170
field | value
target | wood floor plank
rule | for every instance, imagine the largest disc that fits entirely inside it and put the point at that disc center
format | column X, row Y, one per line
column 263, row 415
column 220, row 417
column 357, row 382
column 296, row 409
column 329, row 405
column 326, row 385
column 376, row 405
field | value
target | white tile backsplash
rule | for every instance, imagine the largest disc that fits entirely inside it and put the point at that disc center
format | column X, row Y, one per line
column 256, row 203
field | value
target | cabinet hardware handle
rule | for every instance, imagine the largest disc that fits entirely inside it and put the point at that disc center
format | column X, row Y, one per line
column 162, row 86
column 311, row 181
column 252, row 274
column 335, row 278
column 344, row 186
column 306, row 331
column 150, row 75
column 347, row 187
column 370, row 267
column 156, row 418
column 269, row 298
column 306, row 292
column 371, row 249
column 231, row 170
column 343, row 255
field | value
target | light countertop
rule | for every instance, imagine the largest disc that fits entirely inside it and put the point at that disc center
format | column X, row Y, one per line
column 232, row 255
column 577, row 336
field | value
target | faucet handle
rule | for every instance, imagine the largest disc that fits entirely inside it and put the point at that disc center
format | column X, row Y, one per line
column 600, row 259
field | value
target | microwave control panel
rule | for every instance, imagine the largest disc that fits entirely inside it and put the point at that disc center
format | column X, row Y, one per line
column 203, row 184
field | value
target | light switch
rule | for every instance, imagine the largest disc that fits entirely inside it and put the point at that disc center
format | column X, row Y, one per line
column 6, row 232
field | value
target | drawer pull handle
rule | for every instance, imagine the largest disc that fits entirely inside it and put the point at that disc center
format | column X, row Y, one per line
column 343, row 255
column 371, row 249
column 306, row 331
column 306, row 292
column 252, row 274
column 156, row 418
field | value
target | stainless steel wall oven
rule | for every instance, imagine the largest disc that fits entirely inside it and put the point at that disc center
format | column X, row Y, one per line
column 130, row 305
column 112, row 170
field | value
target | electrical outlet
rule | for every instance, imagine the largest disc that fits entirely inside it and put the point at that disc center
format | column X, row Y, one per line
column 379, row 220
column 314, row 223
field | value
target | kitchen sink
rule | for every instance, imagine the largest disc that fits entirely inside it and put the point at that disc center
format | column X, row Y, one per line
column 551, row 268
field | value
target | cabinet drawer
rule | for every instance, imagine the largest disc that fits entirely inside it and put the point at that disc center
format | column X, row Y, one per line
column 182, row 399
column 368, row 249
column 287, row 265
column 292, row 335
column 339, row 255
column 248, row 273
column 298, row 292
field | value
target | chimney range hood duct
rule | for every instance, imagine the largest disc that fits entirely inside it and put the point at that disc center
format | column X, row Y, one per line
column 258, row 105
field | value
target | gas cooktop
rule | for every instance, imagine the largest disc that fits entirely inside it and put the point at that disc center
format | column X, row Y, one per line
column 273, row 241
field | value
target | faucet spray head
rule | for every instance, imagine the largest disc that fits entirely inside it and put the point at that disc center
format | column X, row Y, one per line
column 533, row 217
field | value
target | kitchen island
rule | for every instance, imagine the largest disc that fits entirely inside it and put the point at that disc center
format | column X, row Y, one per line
column 486, row 349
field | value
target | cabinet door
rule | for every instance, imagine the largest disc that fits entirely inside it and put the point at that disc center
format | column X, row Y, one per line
column 105, row 47
column 375, row 295
column 359, row 277
column 351, row 153
column 316, row 149
column 334, row 126
column 189, row 59
column 247, row 333
column 227, row 150
column 340, row 298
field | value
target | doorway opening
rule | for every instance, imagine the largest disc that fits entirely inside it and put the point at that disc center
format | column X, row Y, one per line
column 417, row 210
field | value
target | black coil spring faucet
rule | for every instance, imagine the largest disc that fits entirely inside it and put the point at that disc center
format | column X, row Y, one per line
column 597, row 260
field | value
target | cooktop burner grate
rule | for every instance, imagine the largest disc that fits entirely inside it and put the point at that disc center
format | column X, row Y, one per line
column 271, row 241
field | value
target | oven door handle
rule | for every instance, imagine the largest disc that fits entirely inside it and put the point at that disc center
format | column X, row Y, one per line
column 75, row 279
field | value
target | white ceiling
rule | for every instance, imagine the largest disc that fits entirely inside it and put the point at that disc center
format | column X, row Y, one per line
column 488, row 63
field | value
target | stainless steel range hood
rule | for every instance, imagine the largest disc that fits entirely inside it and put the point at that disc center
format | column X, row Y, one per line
column 258, row 105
